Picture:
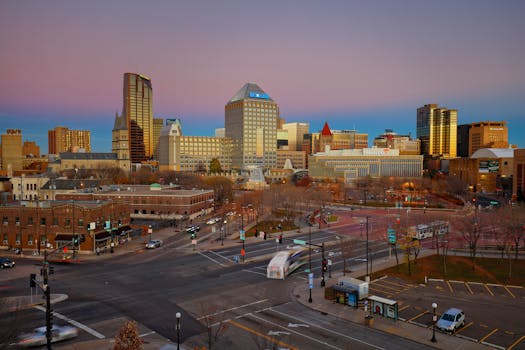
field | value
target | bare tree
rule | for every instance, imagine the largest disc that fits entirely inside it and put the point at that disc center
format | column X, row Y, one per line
column 470, row 229
column 214, row 321
column 128, row 337
column 347, row 250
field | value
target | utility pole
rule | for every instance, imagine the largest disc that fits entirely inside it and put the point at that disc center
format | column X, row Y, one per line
column 310, row 257
column 367, row 276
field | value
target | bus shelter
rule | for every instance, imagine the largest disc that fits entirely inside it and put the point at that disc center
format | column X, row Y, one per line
column 345, row 295
column 382, row 306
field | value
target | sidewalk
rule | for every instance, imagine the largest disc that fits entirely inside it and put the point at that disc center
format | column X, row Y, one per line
column 398, row 328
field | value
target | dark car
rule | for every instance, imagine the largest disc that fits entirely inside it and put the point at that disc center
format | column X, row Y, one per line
column 6, row 262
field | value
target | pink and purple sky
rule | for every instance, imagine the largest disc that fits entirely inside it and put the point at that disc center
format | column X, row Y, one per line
column 366, row 65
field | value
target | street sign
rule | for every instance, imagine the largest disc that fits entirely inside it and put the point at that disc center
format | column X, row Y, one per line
column 307, row 270
column 242, row 235
column 311, row 280
column 299, row 241
column 243, row 252
column 391, row 235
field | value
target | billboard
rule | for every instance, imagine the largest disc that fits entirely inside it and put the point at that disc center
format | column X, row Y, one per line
column 488, row 166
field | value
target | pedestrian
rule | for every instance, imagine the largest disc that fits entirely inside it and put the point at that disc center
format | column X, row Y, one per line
column 98, row 250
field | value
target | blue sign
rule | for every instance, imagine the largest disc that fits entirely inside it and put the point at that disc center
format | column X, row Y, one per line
column 260, row 95
column 391, row 235
column 311, row 280
column 241, row 234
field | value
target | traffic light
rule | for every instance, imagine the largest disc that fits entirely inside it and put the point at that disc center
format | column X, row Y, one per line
column 193, row 235
column 325, row 264
column 32, row 280
column 280, row 239
column 75, row 240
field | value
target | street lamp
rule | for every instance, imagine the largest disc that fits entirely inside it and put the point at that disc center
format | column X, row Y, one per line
column 367, row 276
column 434, row 319
column 177, row 315
column 310, row 257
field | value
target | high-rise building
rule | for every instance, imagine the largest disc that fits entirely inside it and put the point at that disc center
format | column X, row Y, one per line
column 11, row 151
column 518, row 184
column 120, row 139
column 62, row 139
column 191, row 153
column 158, row 123
column 296, row 131
column 488, row 135
column 251, row 118
column 138, row 112
column 463, row 140
column 437, row 130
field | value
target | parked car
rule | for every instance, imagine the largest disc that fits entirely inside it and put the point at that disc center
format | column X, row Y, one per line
column 154, row 243
column 451, row 320
column 6, row 262
column 38, row 336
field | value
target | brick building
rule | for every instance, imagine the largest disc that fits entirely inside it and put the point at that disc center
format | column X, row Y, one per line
column 53, row 224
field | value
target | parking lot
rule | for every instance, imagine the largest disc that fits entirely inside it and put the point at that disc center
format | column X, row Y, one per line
column 495, row 314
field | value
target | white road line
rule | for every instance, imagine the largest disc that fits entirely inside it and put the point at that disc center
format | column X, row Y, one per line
column 146, row 334
column 74, row 323
column 326, row 329
column 233, row 308
column 258, row 273
column 296, row 332
column 212, row 259
column 220, row 255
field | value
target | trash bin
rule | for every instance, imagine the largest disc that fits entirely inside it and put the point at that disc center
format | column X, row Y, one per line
column 369, row 321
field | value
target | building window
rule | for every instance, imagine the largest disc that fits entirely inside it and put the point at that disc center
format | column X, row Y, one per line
column 18, row 239
column 5, row 220
column 17, row 220
column 30, row 239
column 68, row 223
column 42, row 221
column 5, row 241
column 81, row 222
column 30, row 220
column 55, row 221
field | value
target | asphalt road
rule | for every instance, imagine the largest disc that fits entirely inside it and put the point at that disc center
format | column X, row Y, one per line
column 209, row 289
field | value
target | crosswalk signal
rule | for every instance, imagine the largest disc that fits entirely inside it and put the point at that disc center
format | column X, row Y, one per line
column 280, row 239
column 325, row 265
column 32, row 278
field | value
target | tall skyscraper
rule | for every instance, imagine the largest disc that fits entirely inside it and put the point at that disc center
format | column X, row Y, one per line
column 11, row 151
column 120, row 138
column 62, row 139
column 488, row 135
column 437, row 130
column 138, row 112
column 251, row 122
column 158, row 123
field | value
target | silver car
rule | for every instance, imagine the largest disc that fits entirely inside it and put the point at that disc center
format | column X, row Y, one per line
column 154, row 243
column 451, row 320
column 38, row 336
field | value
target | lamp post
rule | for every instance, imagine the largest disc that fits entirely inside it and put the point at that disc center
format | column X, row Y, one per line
column 177, row 315
column 310, row 258
column 434, row 319
column 224, row 230
column 367, row 276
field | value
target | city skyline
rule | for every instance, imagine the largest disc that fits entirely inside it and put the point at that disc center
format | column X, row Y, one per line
column 364, row 66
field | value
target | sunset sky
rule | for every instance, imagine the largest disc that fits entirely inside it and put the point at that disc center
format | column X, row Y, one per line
column 366, row 65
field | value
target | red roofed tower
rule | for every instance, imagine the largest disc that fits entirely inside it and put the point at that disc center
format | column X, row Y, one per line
column 325, row 138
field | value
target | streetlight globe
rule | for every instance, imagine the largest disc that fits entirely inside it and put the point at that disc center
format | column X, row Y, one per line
column 434, row 305
column 177, row 315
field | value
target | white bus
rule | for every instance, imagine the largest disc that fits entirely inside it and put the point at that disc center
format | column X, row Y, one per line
column 423, row 231
column 285, row 262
